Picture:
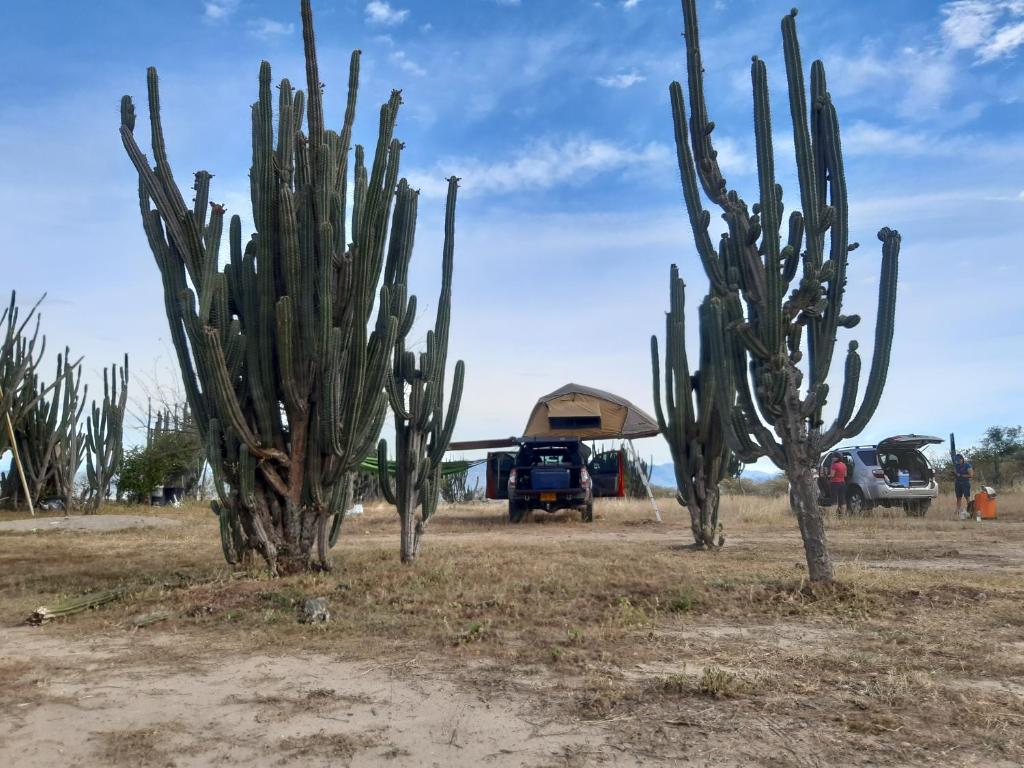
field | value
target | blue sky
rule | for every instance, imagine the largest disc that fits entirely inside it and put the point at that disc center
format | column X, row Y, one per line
column 555, row 113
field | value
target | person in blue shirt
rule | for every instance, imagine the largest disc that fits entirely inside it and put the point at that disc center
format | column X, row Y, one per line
column 963, row 472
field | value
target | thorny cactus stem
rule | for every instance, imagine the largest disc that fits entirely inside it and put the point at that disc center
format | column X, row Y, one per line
column 285, row 351
column 772, row 405
column 422, row 428
column 690, row 420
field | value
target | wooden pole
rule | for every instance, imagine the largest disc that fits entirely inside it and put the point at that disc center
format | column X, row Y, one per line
column 17, row 459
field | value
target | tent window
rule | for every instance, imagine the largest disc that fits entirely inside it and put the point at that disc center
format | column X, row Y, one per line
column 575, row 422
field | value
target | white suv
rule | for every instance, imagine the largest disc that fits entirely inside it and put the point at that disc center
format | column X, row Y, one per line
column 894, row 473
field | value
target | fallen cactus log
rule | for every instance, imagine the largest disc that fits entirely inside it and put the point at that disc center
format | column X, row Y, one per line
column 72, row 605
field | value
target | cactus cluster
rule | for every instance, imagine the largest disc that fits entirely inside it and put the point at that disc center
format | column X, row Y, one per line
column 690, row 419
column 104, row 438
column 42, row 421
column 285, row 352
column 772, row 299
column 20, row 355
column 50, row 442
column 415, row 387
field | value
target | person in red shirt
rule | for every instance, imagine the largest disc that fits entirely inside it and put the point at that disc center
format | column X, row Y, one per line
column 837, row 482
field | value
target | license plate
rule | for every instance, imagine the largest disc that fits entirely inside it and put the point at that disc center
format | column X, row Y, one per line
column 548, row 496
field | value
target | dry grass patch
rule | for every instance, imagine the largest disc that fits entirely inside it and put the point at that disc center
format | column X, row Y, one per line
column 612, row 623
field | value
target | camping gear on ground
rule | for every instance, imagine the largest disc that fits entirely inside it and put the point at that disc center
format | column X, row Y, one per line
column 985, row 503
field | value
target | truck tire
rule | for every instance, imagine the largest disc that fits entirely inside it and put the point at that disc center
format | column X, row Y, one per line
column 515, row 511
column 587, row 513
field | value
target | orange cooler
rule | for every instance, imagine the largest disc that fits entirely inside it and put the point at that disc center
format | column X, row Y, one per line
column 985, row 504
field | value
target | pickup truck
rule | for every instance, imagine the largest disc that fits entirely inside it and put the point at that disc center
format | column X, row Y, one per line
column 553, row 474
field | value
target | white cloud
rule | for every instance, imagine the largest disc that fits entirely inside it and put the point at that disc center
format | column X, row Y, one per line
column 542, row 165
column 269, row 28
column 217, row 10
column 381, row 12
column 627, row 4
column 991, row 28
column 864, row 138
column 921, row 79
column 622, row 80
column 407, row 64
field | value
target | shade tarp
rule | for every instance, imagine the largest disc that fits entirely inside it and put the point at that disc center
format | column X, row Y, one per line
column 587, row 413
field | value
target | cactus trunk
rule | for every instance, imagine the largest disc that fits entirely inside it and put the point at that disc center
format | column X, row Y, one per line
column 286, row 350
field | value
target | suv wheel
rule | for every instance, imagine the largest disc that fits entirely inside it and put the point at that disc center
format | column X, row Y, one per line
column 515, row 511
column 917, row 508
column 587, row 513
column 855, row 505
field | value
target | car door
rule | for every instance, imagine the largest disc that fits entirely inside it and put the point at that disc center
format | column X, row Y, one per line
column 499, row 466
column 608, row 473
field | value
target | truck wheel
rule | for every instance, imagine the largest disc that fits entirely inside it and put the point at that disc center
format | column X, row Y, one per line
column 515, row 512
column 855, row 505
column 587, row 513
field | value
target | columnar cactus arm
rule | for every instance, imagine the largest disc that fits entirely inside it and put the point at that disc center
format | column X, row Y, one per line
column 885, row 327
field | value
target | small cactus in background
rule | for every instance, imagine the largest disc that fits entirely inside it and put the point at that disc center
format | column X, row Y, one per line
column 422, row 428
column 284, row 352
column 104, row 440
column 771, row 399
column 690, row 419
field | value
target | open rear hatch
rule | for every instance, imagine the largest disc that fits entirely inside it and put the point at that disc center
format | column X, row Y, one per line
column 912, row 442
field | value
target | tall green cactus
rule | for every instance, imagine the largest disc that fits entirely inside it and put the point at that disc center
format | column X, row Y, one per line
column 772, row 404
column 104, row 441
column 285, row 352
column 690, row 420
column 422, row 429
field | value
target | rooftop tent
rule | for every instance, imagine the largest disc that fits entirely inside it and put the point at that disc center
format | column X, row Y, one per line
column 587, row 413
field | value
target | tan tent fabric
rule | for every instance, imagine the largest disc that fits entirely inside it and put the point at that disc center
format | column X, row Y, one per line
column 575, row 405
column 619, row 417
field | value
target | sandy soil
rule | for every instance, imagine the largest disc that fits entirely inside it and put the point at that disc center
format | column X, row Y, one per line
column 102, row 708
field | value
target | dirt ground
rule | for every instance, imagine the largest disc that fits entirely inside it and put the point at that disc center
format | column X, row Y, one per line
column 551, row 643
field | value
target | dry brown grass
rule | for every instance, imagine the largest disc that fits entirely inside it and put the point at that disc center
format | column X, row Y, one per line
column 914, row 657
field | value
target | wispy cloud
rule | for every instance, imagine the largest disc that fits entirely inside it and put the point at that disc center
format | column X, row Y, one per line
column 993, row 29
column 865, row 138
column 407, row 64
column 508, row 2
column 218, row 10
column 542, row 165
column 269, row 28
column 627, row 4
column 622, row 80
column 381, row 12
column 922, row 78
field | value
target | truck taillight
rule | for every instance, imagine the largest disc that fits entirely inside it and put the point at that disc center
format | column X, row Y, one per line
column 878, row 473
column 584, row 478
column 512, row 479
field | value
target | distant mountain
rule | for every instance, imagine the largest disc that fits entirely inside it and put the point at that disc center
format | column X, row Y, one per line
column 664, row 475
